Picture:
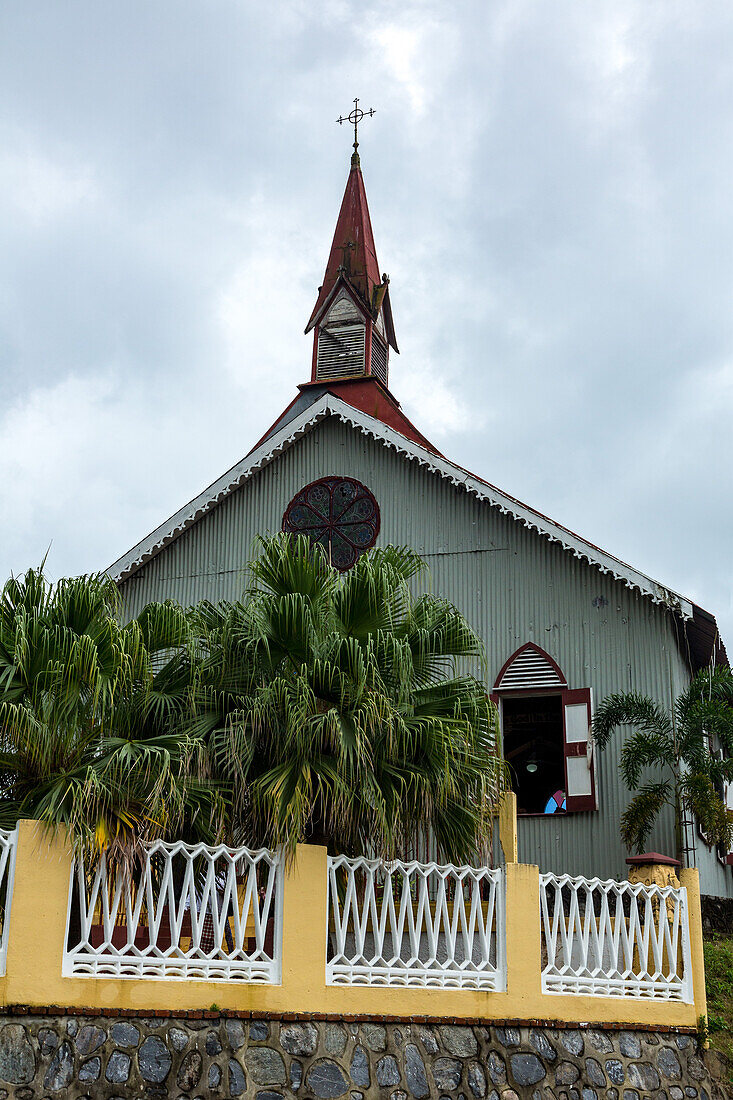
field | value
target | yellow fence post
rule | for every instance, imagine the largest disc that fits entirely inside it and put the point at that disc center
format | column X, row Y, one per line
column 508, row 827
column 37, row 926
column 305, row 924
column 690, row 878
column 523, row 937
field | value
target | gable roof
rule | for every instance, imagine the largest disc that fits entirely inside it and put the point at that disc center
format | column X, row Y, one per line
column 330, row 405
column 700, row 637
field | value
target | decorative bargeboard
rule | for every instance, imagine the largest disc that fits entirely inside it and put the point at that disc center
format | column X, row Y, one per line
column 615, row 939
column 415, row 924
column 188, row 912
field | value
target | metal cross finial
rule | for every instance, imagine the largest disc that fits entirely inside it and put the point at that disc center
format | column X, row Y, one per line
column 355, row 117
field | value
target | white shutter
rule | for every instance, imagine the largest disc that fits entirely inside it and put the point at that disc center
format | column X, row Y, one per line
column 728, row 796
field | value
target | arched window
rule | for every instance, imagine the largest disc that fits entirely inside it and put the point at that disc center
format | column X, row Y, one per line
column 546, row 734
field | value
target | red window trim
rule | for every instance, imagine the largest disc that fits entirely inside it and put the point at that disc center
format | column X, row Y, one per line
column 577, row 803
column 543, row 653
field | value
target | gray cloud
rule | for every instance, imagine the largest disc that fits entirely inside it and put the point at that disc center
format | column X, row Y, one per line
column 549, row 186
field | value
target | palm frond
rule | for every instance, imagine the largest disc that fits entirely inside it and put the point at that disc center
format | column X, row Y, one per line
column 637, row 820
column 693, row 744
column 630, row 709
column 332, row 707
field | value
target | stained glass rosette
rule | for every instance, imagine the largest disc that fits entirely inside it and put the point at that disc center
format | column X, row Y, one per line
column 339, row 513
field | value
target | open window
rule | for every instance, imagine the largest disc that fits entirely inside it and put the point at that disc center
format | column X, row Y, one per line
column 546, row 734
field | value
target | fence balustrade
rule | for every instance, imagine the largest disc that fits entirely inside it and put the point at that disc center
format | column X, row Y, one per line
column 208, row 914
column 415, row 924
column 615, row 939
column 8, row 848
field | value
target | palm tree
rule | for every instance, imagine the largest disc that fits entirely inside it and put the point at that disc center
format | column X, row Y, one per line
column 334, row 707
column 91, row 714
column 688, row 751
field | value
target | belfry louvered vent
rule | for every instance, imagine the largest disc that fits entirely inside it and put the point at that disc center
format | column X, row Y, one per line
column 340, row 352
column 379, row 359
column 530, row 668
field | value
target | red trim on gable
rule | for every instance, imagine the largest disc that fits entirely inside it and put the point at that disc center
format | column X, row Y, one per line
column 368, row 395
column 273, row 426
column 341, row 283
column 543, row 653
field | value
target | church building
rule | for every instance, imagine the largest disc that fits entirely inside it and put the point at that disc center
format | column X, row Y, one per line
column 564, row 623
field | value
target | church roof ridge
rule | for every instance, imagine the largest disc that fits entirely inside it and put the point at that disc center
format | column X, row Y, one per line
column 329, row 405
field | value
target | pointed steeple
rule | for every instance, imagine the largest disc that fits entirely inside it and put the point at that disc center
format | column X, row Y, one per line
column 353, row 251
column 353, row 326
column 352, row 316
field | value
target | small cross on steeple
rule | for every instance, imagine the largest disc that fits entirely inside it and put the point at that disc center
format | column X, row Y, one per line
column 355, row 117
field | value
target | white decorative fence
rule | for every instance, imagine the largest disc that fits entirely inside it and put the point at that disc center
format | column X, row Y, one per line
column 615, row 939
column 8, row 849
column 209, row 914
column 415, row 924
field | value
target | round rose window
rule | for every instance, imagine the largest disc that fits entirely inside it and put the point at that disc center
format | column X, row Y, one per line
column 337, row 512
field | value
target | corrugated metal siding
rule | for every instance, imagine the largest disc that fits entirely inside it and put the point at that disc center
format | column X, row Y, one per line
column 715, row 879
column 513, row 586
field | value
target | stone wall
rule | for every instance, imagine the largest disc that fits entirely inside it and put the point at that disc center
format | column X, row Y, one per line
column 717, row 915
column 216, row 1057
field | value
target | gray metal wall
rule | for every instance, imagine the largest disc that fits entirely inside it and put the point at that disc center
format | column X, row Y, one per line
column 715, row 878
column 513, row 585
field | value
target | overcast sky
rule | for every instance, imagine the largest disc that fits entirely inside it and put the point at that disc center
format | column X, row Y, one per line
column 550, row 189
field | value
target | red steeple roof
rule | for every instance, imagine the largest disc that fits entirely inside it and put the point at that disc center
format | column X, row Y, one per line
column 352, row 263
column 353, row 255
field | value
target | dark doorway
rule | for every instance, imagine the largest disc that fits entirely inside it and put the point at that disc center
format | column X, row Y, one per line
column 533, row 747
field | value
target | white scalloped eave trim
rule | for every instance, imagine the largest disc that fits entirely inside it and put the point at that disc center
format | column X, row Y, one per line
column 328, row 405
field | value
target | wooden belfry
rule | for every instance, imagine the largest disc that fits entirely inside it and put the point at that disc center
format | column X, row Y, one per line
column 352, row 316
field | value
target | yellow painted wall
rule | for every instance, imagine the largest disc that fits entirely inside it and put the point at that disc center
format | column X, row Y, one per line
column 38, row 927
